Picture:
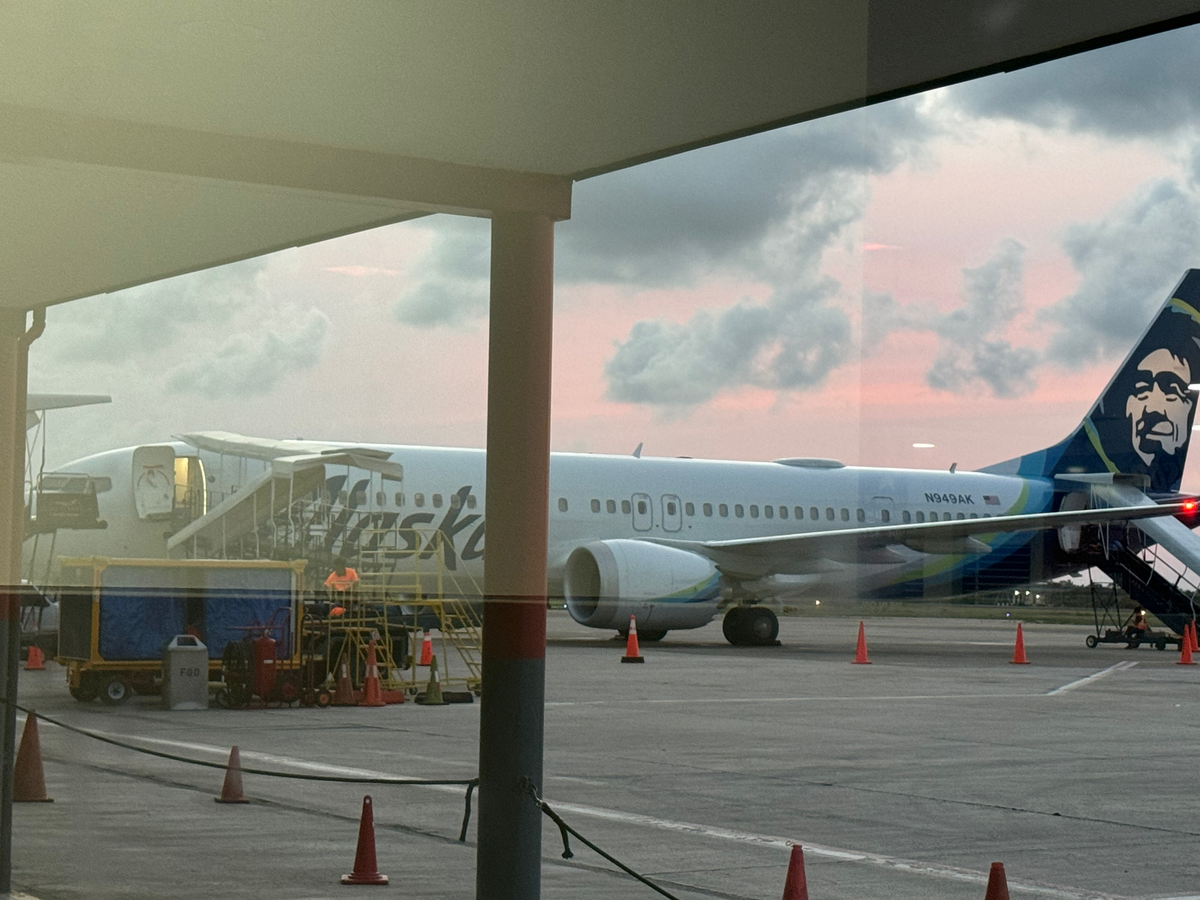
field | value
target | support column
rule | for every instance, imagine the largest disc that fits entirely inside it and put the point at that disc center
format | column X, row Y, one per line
column 514, row 617
column 14, row 373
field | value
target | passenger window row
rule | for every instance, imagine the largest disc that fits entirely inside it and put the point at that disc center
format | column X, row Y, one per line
column 769, row 512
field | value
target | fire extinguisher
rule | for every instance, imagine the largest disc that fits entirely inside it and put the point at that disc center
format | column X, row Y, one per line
column 264, row 666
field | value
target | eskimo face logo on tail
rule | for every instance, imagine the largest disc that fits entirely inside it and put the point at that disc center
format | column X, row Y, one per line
column 1144, row 420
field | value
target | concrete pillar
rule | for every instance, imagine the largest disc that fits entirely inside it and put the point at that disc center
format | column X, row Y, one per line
column 514, row 617
column 14, row 371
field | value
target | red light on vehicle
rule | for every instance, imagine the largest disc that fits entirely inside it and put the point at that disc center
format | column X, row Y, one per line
column 1189, row 506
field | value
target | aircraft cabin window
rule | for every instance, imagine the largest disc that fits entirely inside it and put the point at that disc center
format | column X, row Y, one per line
column 753, row 510
column 769, row 512
column 973, row 516
column 399, row 498
column 799, row 511
column 885, row 516
column 470, row 501
column 641, row 507
column 933, row 517
column 595, row 506
column 861, row 516
column 739, row 510
column 813, row 513
column 829, row 513
column 707, row 509
column 455, row 501
column 419, row 499
column 845, row 514
column 610, row 506
column 960, row 516
column 782, row 512
column 380, row 498
column 625, row 507
column 689, row 509
column 920, row 517
column 670, row 508
column 907, row 516
column 723, row 510
column 437, row 500
column 562, row 504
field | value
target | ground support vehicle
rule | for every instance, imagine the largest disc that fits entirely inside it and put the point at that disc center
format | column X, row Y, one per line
column 116, row 616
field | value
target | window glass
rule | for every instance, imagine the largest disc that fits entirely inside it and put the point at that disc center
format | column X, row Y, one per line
column 399, row 498
column 455, row 501
column 769, row 512
column 845, row 514
column 641, row 507
column 885, row 516
column 610, row 506
column 670, row 507
column 625, row 507
column 562, row 504
column 437, row 501
column 960, row 516
column 754, row 510
column 907, row 516
column 861, row 515
column 689, row 509
column 380, row 499
column 707, row 509
column 782, row 512
column 933, row 517
column 920, row 517
column 974, row 516
column 739, row 510
column 829, row 513
column 813, row 513
column 470, row 501
column 595, row 506
column 723, row 510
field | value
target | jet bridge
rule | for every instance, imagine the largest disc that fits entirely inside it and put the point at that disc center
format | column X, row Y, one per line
column 1156, row 561
column 282, row 510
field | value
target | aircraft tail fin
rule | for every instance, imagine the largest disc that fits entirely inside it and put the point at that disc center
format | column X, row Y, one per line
column 1142, row 423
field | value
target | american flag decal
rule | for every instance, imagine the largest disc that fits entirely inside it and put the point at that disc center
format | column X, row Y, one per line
column 991, row 499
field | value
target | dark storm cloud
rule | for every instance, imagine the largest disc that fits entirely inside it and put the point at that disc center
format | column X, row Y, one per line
column 1144, row 88
column 451, row 286
column 1127, row 262
column 972, row 347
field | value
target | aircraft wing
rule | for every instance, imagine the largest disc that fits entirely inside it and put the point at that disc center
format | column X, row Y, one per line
column 265, row 449
column 797, row 553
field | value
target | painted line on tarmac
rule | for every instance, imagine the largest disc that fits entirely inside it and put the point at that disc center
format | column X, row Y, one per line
column 707, row 701
column 895, row 863
column 1095, row 676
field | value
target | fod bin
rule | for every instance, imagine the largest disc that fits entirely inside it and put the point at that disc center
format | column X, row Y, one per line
column 185, row 674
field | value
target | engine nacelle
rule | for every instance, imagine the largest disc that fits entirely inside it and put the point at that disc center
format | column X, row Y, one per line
column 606, row 582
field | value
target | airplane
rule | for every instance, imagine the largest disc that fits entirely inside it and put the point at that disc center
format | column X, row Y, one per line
column 677, row 541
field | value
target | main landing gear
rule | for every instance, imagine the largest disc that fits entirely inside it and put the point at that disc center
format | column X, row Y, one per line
column 750, row 626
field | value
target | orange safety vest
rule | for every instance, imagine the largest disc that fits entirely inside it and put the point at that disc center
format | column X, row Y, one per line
column 341, row 583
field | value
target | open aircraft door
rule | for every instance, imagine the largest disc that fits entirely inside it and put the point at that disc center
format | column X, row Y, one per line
column 154, row 482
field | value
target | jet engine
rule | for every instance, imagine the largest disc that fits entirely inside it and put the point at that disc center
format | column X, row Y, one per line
column 607, row 581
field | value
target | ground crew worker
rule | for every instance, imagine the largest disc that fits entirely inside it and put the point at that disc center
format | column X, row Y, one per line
column 1137, row 627
column 340, row 584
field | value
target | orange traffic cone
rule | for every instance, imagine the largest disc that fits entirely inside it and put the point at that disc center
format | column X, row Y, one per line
column 632, row 653
column 1019, row 651
column 366, row 870
column 372, row 694
column 343, row 695
column 997, row 888
column 33, row 662
column 1192, row 630
column 860, row 652
column 1185, row 649
column 231, row 790
column 796, row 886
column 29, row 781
column 426, row 650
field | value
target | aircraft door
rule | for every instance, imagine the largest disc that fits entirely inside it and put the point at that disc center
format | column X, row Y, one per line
column 672, row 514
column 643, row 512
column 882, row 511
column 154, row 482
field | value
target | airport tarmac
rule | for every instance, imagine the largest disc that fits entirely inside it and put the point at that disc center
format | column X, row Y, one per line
column 902, row 779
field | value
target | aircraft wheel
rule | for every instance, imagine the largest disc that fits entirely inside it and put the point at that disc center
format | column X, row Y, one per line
column 115, row 692
column 1091, row 642
column 760, row 625
column 652, row 636
column 731, row 625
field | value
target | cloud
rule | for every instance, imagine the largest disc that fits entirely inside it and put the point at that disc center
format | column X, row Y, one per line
column 452, row 278
column 253, row 363
column 774, row 227
column 972, row 347
column 1148, row 88
column 1127, row 262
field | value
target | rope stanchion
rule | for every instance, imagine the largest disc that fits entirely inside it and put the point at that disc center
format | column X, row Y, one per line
column 565, row 829
column 469, row 783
